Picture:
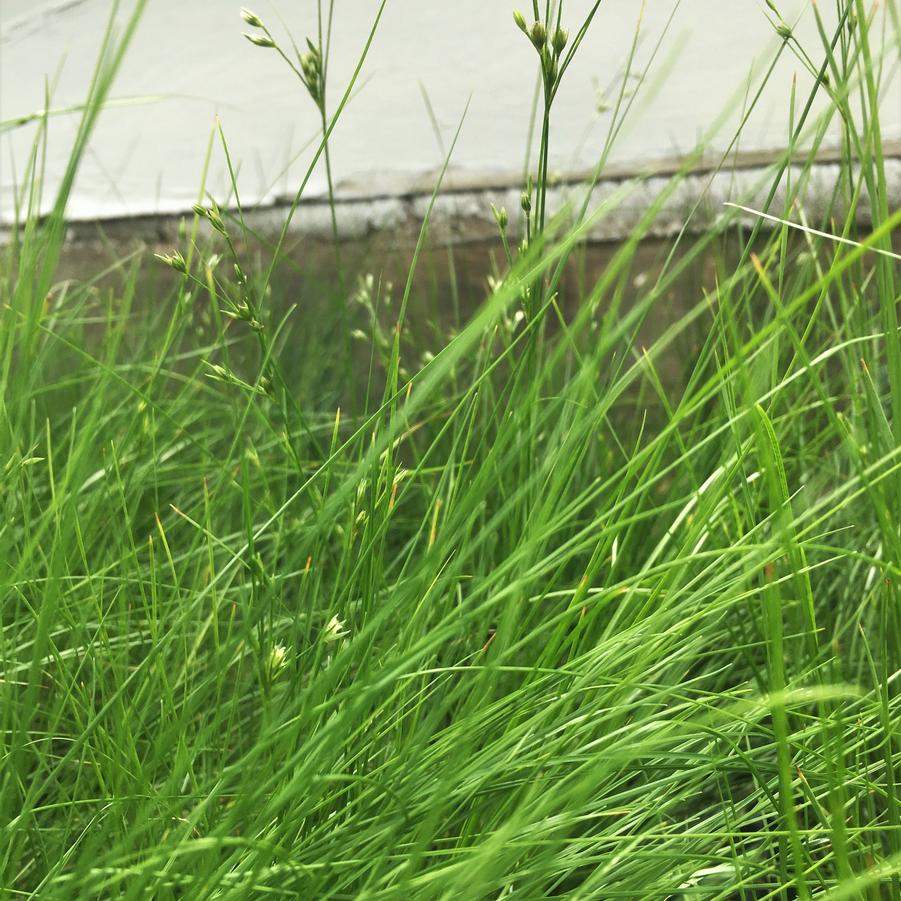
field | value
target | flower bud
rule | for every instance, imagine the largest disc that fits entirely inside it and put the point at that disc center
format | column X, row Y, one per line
column 219, row 373
column 334, row 630
column 520, row 21
column 250, row 18
column 538, row 35
column 276, row 661
column 259, row 40
column 525, row 201
column 174, row 260
column 500, row 216
column 783, row 31
column 561, row 36
column 311, row 72
column 309, row 67
column 212, row 216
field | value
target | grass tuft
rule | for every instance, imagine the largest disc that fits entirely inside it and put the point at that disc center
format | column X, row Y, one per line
column 592, row 599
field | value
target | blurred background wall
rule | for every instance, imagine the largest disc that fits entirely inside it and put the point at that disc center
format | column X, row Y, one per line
column 695, row 66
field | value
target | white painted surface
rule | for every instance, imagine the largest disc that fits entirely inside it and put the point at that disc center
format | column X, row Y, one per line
column 148, row 158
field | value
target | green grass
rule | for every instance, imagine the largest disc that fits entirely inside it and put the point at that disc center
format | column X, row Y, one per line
column 528, row 618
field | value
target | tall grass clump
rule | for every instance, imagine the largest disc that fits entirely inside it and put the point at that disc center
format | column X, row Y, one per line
column 560, row 609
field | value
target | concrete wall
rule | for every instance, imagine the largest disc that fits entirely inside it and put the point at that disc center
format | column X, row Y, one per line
column 189, row 63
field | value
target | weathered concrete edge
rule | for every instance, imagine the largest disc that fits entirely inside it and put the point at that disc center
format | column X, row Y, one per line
column 462, row 211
